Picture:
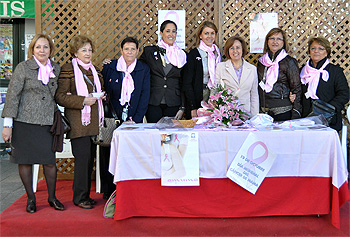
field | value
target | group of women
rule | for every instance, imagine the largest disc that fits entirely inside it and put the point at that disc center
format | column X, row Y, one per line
column 165, row 81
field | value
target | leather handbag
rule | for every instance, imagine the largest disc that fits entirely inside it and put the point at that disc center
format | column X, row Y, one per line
column 66, row 124
column 105, row 133
column 327, row 110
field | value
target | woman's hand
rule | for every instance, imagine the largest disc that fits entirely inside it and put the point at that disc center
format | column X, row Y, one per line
column 89, row 101
column 292, row 97
column 106, row 61
column 179, row 114
column 7, row 134
column 194, row 113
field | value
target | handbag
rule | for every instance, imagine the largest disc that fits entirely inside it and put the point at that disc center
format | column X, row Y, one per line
column 320, row 107
column 105, row 131
column 109, row 209
column 66, row 124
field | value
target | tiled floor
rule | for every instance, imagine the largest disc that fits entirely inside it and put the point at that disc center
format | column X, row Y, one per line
column 11, row 187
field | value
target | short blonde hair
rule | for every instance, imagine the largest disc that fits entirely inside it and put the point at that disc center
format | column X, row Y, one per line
column 77, row 42
column 322, row 41
column 33, row 42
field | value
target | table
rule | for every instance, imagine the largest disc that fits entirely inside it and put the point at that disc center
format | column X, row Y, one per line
column 308, row 176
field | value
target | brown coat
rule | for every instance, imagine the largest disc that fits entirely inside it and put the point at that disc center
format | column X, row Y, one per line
column 66, row 96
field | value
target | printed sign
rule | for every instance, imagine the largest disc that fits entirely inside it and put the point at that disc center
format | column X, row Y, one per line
column 260, row 25
column 179, row 17
column 251, row 164
column 17, row 9
column 180, row 159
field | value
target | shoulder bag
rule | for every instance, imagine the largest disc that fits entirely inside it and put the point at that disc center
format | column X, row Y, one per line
column 327, row 110
column 105, row 133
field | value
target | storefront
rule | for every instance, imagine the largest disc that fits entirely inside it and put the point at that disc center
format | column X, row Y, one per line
column 17, row 28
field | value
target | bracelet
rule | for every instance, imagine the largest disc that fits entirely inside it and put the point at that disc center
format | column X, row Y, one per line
column 7, row 126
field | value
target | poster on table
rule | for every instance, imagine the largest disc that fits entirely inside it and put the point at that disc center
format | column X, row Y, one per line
column 179, row 17
column 260, row 25
column 179, row 159
column 251, row 164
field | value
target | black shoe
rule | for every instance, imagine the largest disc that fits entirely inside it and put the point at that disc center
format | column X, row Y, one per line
column 84, row 205
column 106, row 196
column 91, row 201
column 56, row 204
column 31, row 206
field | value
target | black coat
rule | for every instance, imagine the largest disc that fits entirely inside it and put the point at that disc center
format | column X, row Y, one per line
column 163, row 85
column 335, row 92
column 113, row 80
column 193, row 81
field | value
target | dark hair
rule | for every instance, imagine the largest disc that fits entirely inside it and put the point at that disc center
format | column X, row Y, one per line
column 272, row 32
column 77, row 42
column 165, row 23
column 201, row 27
column 129, row 39
column 322, row 41
column 33, row 42
column 230, row 42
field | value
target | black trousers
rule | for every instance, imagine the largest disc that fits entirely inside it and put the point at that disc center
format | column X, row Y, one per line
column 155, row 113
column 84, row 151
column 107, row 185
column 282, row 117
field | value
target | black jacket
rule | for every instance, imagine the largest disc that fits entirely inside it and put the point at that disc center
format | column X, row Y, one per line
column 193, row 81
column 335, row 92
column 163, row 85
column 288, row 81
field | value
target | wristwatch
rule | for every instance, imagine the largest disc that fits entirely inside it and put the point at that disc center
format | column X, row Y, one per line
column 182, row 108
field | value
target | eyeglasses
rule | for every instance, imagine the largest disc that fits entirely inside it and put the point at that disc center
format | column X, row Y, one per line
column 313, row 49
column 275, row 39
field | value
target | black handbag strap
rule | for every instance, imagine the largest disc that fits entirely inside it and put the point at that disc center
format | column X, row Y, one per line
column 111, row 108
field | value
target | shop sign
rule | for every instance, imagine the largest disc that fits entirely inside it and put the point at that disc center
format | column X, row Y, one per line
column 17, row 9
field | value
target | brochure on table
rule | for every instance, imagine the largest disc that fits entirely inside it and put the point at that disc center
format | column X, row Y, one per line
column 179, row 158
column 251, row 164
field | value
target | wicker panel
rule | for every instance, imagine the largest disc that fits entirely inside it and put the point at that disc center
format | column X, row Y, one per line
column 107, row 22
column 65, row 169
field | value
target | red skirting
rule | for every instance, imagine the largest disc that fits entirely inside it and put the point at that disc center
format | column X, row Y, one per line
column 223, row 198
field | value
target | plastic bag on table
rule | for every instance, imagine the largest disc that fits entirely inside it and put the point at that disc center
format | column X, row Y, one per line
column 168, row 122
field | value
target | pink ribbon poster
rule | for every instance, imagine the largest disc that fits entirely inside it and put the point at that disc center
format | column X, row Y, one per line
column 251, row 164
column 179, row 159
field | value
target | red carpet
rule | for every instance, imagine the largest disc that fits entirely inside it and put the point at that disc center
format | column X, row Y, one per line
column 74, row 221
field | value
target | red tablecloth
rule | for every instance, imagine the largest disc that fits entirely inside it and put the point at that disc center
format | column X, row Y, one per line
column 223, row 198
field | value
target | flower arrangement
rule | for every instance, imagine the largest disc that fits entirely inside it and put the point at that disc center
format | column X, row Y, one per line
column 223, row 108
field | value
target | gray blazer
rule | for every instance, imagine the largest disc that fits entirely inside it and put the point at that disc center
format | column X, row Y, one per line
column 28, row 100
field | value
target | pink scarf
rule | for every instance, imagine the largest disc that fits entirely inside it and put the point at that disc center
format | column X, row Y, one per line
column 45, row 71
column 175, row 55
column 128, row 81
column 311, row 76
column 82, row 90
column 272, row 71
column 211, row 60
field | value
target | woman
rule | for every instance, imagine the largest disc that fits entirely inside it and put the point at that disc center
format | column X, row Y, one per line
column 239, row 75
column 29, row 114
column 278, row 75
column 323, row 80
column 76, row 83
column 199, row 72
column 165, row 61
column 127, row 83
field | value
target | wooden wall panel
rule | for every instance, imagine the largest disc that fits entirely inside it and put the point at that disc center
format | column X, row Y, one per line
column 107, row 22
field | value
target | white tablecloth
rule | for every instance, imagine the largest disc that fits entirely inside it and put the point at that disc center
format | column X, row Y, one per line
column 135, row 154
